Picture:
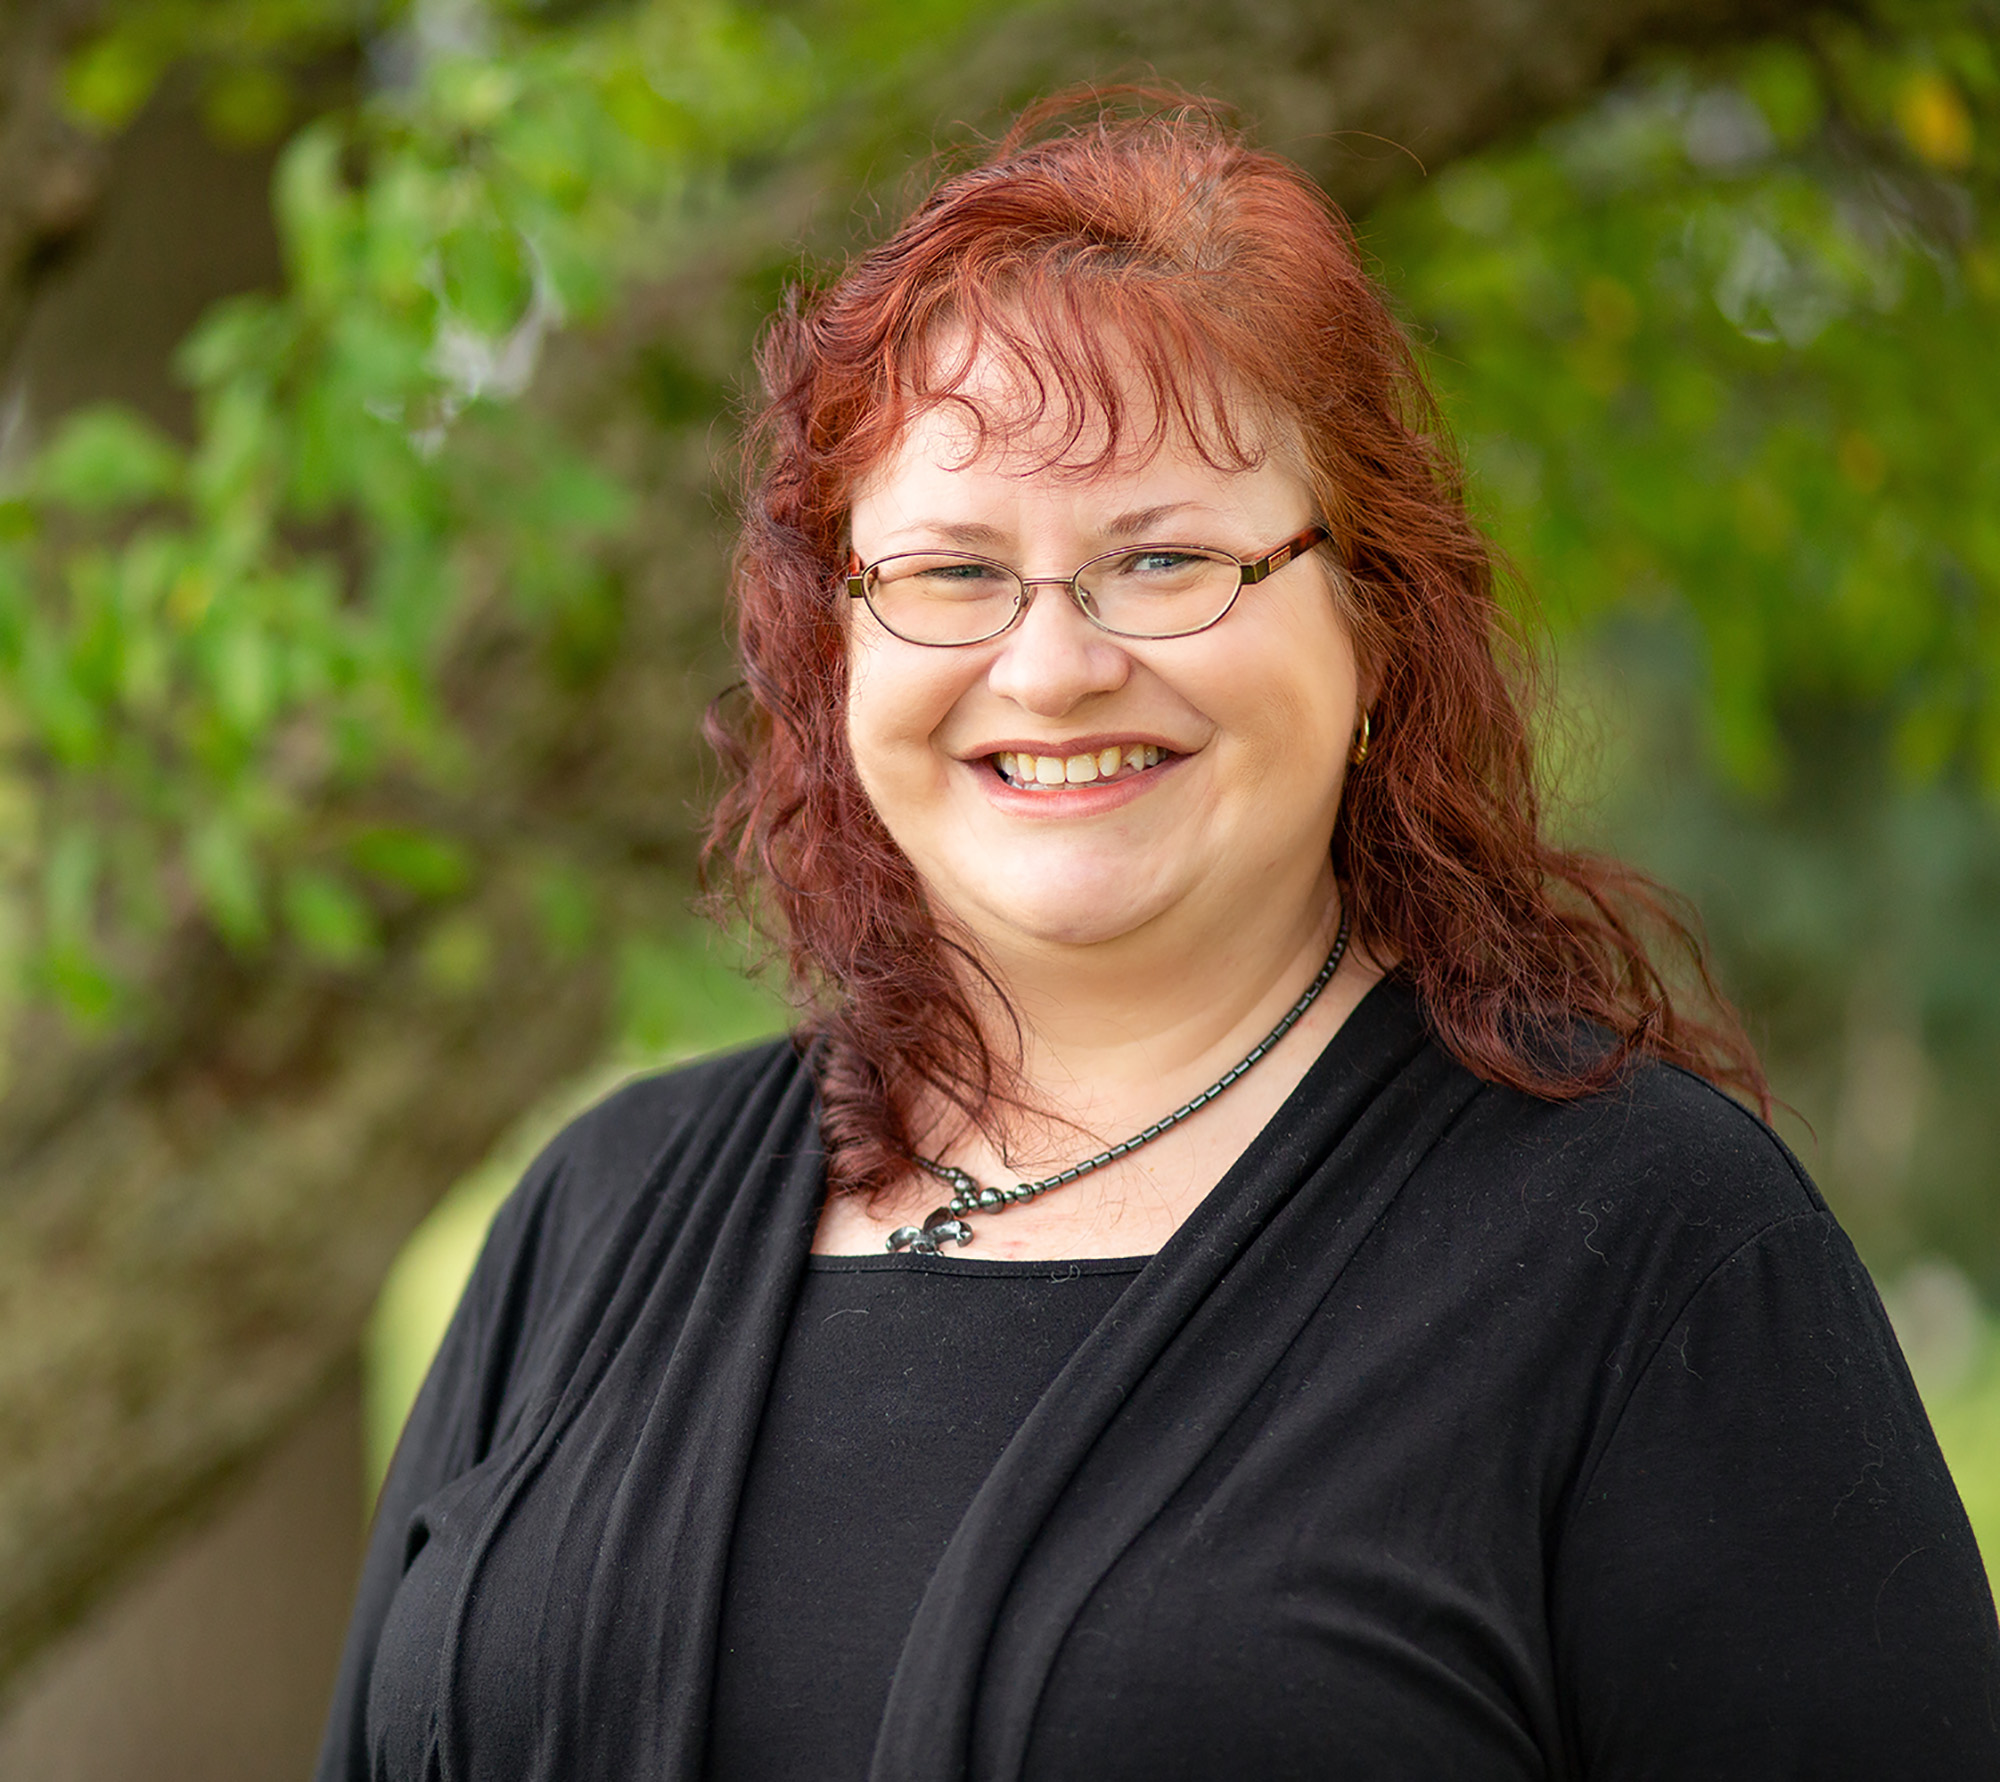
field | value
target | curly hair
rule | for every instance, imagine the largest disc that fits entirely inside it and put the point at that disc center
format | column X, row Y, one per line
column 1096, row 245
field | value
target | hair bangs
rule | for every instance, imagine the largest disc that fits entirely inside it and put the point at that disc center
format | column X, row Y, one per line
column 1072, row 374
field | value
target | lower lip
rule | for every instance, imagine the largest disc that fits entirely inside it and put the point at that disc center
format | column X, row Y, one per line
column 1089, row 799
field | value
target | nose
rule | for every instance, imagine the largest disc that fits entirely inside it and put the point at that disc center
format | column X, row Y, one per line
column 1055, row 658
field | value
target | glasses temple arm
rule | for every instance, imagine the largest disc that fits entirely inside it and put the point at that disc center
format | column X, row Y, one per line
column 1291, row 548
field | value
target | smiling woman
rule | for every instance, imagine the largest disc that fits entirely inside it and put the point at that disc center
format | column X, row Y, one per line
column 1103, row 343
column 1385, row 1353
column 1226, row 740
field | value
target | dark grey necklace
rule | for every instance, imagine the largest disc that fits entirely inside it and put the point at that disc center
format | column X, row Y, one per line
column 947, row 1224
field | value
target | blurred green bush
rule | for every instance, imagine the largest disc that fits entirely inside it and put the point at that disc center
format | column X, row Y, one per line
column 1725, row 350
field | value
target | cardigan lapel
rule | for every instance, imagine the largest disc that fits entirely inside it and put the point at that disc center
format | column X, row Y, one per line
column 1154, row 1387
column 694, row 1296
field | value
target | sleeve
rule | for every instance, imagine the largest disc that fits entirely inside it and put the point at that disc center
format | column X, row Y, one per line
column 1768, row 1573
column 449, row 1430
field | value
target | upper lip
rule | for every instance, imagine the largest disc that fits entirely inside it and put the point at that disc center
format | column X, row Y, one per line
column 1078, row 745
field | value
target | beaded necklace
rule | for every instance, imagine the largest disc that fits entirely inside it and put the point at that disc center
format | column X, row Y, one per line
column 947, row 1224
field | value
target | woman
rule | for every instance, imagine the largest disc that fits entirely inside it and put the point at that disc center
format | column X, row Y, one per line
column 1380, row 1350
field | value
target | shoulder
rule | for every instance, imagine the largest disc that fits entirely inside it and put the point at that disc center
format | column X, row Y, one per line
column 630, row 1143
column 1658, row 1132
column 1661, row 1147
column 1602, row 1216
column 633, row 1159
column 618, row 1142
column 610, row 1193
column 1659, row 1171
column 1574, row 1245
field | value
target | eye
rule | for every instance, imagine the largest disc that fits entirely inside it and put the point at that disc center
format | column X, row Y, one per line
column 937, row 576
column 1155, row 570
column 1158, row 562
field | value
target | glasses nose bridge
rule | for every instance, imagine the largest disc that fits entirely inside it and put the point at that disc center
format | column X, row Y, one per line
column 1029, row 583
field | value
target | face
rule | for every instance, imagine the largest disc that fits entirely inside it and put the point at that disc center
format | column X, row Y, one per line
column 1215, row 815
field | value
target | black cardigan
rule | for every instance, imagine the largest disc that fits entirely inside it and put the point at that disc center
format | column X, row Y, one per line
column 1455, row 1435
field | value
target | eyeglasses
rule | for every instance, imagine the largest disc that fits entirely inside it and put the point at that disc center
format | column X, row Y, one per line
column 945, row 598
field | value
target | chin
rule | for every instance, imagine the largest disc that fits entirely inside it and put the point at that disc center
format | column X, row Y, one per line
column 1059, row 933
column 1055, row 896
column 1080, row 921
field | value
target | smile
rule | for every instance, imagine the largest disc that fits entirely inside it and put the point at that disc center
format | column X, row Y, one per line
column 1044, row 773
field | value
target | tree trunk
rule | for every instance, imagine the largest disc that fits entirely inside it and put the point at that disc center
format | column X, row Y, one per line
column 50, row 171
column 195, row 1216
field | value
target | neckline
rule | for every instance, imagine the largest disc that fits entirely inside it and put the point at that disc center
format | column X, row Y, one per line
column 1049, row 1268
column 1349, row 1036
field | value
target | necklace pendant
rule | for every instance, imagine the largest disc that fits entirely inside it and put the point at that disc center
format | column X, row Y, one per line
column 944, row 1226
column 941, row 1228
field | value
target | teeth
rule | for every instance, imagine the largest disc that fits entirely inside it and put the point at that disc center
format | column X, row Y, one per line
column 1023, row 769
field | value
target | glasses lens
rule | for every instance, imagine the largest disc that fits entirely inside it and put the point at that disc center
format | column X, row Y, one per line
column 932, row 598
column 1159, row 590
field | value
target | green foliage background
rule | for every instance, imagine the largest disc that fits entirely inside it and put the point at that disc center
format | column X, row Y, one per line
column 1724, row 351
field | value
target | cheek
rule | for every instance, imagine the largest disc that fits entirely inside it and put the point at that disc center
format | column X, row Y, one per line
column 1293, row 696
column 867, row 706
column 895, row 703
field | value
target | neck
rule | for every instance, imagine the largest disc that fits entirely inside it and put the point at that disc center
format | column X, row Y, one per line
column 1114, row 1034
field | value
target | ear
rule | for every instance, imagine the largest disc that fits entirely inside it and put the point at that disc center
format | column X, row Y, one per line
column 1368, row 688
column 1350, row 600
column 1370, row 672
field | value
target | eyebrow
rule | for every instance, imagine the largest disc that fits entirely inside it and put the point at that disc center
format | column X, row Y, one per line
column 961, row 532
column 1144, row 519
column 977, row 535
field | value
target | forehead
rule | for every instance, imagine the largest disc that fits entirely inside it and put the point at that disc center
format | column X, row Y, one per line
column 939, row 478
column 997, row 415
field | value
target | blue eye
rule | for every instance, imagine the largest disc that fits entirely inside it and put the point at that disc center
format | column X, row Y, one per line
column 1156, row 569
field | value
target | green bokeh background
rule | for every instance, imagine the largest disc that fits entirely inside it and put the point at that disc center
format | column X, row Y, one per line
column 1723, row 350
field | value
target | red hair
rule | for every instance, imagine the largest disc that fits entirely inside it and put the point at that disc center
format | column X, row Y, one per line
column 1092, row 242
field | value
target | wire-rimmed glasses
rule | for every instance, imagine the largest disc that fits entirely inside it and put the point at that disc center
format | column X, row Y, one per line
column 947, row 598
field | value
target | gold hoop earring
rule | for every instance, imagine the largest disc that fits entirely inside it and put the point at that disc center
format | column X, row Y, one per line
column 1359, row 753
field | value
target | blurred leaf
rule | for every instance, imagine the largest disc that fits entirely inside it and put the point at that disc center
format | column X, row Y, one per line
column 329, row 918
column 566, row 908
column 108, row 80
column 246, row 104
column 70, row 879
column 107, row 457
column 429, row 865
column 457, row 954
column 685, row 990
column 224, row 872
column 1934, row 119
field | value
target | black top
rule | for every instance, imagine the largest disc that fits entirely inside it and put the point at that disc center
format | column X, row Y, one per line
column 1455, row 1435
column 900, row 1382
